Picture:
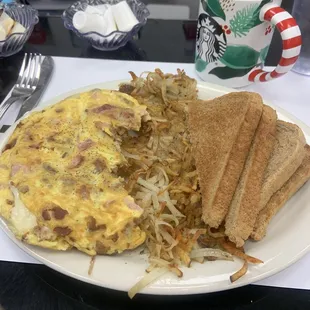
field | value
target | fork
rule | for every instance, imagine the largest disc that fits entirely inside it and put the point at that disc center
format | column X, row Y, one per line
column 26, row 83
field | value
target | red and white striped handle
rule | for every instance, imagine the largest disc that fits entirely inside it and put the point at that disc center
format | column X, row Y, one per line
column 291, row 41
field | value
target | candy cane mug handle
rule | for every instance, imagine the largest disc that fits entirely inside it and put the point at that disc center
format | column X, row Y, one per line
column 291, row 42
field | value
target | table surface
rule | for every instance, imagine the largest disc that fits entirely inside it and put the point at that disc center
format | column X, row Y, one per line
column 30, row 286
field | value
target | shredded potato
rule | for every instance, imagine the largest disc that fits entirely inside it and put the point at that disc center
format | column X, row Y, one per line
column 214, row 253
column 91, row 265
column 231, row 248
column 146, row 280
column 162, row 177
column 241, row 272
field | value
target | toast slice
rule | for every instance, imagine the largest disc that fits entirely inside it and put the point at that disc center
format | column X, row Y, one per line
column 243, row 210
column 221, row 133
column 277, row 201
column 287, row 156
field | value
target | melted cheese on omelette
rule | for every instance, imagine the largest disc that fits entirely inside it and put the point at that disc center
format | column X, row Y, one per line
column 58, row 183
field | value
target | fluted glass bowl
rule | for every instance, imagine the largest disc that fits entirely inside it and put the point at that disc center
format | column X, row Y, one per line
column 115, row 39
column 25, row 15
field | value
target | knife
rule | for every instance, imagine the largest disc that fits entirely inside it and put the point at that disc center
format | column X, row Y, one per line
column 45, row 76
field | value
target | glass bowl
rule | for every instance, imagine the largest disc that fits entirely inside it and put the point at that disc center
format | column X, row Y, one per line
column 115, row 39
column 25, row 15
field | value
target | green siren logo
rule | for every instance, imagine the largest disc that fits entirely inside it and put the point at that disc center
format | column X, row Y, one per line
column 211, row 40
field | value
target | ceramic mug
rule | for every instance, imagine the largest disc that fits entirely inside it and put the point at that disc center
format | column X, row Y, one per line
column 233, row 39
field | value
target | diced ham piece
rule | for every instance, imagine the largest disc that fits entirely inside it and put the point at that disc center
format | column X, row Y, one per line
column 114, row 237
column 59, row 213
column 10, row 145
column 126, row 88
column 100, row 165
column 114, row 112
column 84, row 192
column 76, row 161
column 93, row 226
column 19, row 167
column 54, row 211
column 62, row 231
column 49, row 168
column 103, row 108
column 131, row 204
column 126, row 114
column 46, row 214
column 101, row 249
column 85, row 144
column 35, row 146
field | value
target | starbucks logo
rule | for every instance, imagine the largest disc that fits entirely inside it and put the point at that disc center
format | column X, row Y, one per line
column 211, row 40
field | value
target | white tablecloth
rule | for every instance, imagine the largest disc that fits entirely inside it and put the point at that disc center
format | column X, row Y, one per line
column 291, row 92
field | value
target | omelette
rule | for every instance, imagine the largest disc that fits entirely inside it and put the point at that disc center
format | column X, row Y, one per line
column 59, row 186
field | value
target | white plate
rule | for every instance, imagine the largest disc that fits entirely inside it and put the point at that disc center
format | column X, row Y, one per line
column 288, row 239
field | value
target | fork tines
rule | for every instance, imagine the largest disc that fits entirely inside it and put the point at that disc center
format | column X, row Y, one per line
column 29, row 73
